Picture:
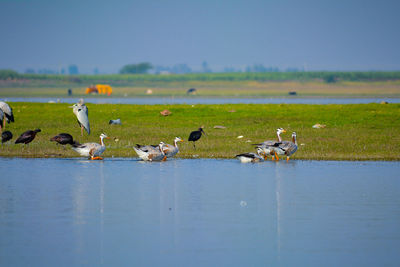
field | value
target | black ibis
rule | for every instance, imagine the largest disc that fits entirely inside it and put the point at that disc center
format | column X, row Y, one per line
column 27, row 136
column 6, row 136
column 63, row 139
column 195, row 135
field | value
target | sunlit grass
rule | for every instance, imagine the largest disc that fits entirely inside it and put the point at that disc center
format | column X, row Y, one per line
column 353, row 132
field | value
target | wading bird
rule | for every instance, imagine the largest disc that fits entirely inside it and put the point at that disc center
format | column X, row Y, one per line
column 81, row 112
column 151, row 153
column 27, row 136
column 266, row 146
column 287, row 148
column 64, row 139
column 195, row 135
column 6, row 136
column 2, row 119
column 91, row 150
column 8, row 113
column 251, row 157
column 172, row 150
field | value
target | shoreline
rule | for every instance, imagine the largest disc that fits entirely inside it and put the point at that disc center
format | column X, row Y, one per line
column 356, row 132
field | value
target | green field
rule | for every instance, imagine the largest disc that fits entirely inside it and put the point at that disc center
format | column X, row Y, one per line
column 353, row 132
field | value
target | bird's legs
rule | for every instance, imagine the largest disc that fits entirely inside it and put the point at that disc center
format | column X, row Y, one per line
column 287, row 158
column 165, row 158
column 82, row 130
column 96, row 158
column 276, row 156
column 194, row 145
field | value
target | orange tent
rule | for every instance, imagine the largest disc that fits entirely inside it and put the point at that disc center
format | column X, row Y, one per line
column 99, row 89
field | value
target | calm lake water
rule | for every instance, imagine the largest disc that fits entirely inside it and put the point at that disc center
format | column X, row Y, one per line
column 199, row 212
column 199, row 100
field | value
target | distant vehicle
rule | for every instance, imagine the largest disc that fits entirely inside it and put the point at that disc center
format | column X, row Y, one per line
column 191, row 91
column 99, row 89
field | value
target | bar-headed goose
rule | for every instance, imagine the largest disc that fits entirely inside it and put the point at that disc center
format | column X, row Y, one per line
column 172, row 150
column 151, row 153
column 251, row 157
column 266, row 146
column 91, row 150
column 287, row 148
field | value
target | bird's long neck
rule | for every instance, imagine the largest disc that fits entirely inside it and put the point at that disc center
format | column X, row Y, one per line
column 279, row 136
column 176, row 143
column 161, row 149
column 294, row 139
column 101, row 141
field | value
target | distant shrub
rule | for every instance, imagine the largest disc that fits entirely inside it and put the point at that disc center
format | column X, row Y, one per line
column 136, row 68
column 236, row 76
column 9, row 74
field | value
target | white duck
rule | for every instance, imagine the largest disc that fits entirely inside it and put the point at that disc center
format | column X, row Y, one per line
column 251, row 157
column 82, row 114
column 266, row 146
column 151, row 153
column 91, row 150
column 172, row 150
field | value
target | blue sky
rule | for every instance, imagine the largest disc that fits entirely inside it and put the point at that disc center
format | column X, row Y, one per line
column 311, row 34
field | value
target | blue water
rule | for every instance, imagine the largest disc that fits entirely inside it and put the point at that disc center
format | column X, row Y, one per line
column 199, row 100
column 199, row 212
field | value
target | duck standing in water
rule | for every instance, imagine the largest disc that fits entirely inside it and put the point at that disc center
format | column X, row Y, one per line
column 91, row 150
column 27, row 136
column 151, row 153
column 172, row 150
column 82, row 114
column 195, row 135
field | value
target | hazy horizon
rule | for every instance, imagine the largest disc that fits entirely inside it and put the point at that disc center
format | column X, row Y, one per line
column 307, row 35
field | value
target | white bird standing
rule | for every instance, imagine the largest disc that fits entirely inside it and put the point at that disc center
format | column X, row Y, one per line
column 251, row 157
column 172, row 150
column 91, row 150
column 81, row 112
column 7, row 112
column 287, row 148
column 267, row 146
column 151, row 153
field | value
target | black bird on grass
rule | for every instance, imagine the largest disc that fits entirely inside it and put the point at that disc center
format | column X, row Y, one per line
column 63, row 139
column 6, row 136
column 195, row 135
column 27, row 136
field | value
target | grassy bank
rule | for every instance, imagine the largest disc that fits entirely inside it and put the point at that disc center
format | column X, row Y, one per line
column 353, row 132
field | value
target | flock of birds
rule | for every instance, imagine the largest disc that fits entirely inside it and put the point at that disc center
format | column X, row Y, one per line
column 159, row 152
column 271, row 148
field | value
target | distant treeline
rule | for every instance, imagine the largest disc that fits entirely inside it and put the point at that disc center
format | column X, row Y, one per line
column 326, row 76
